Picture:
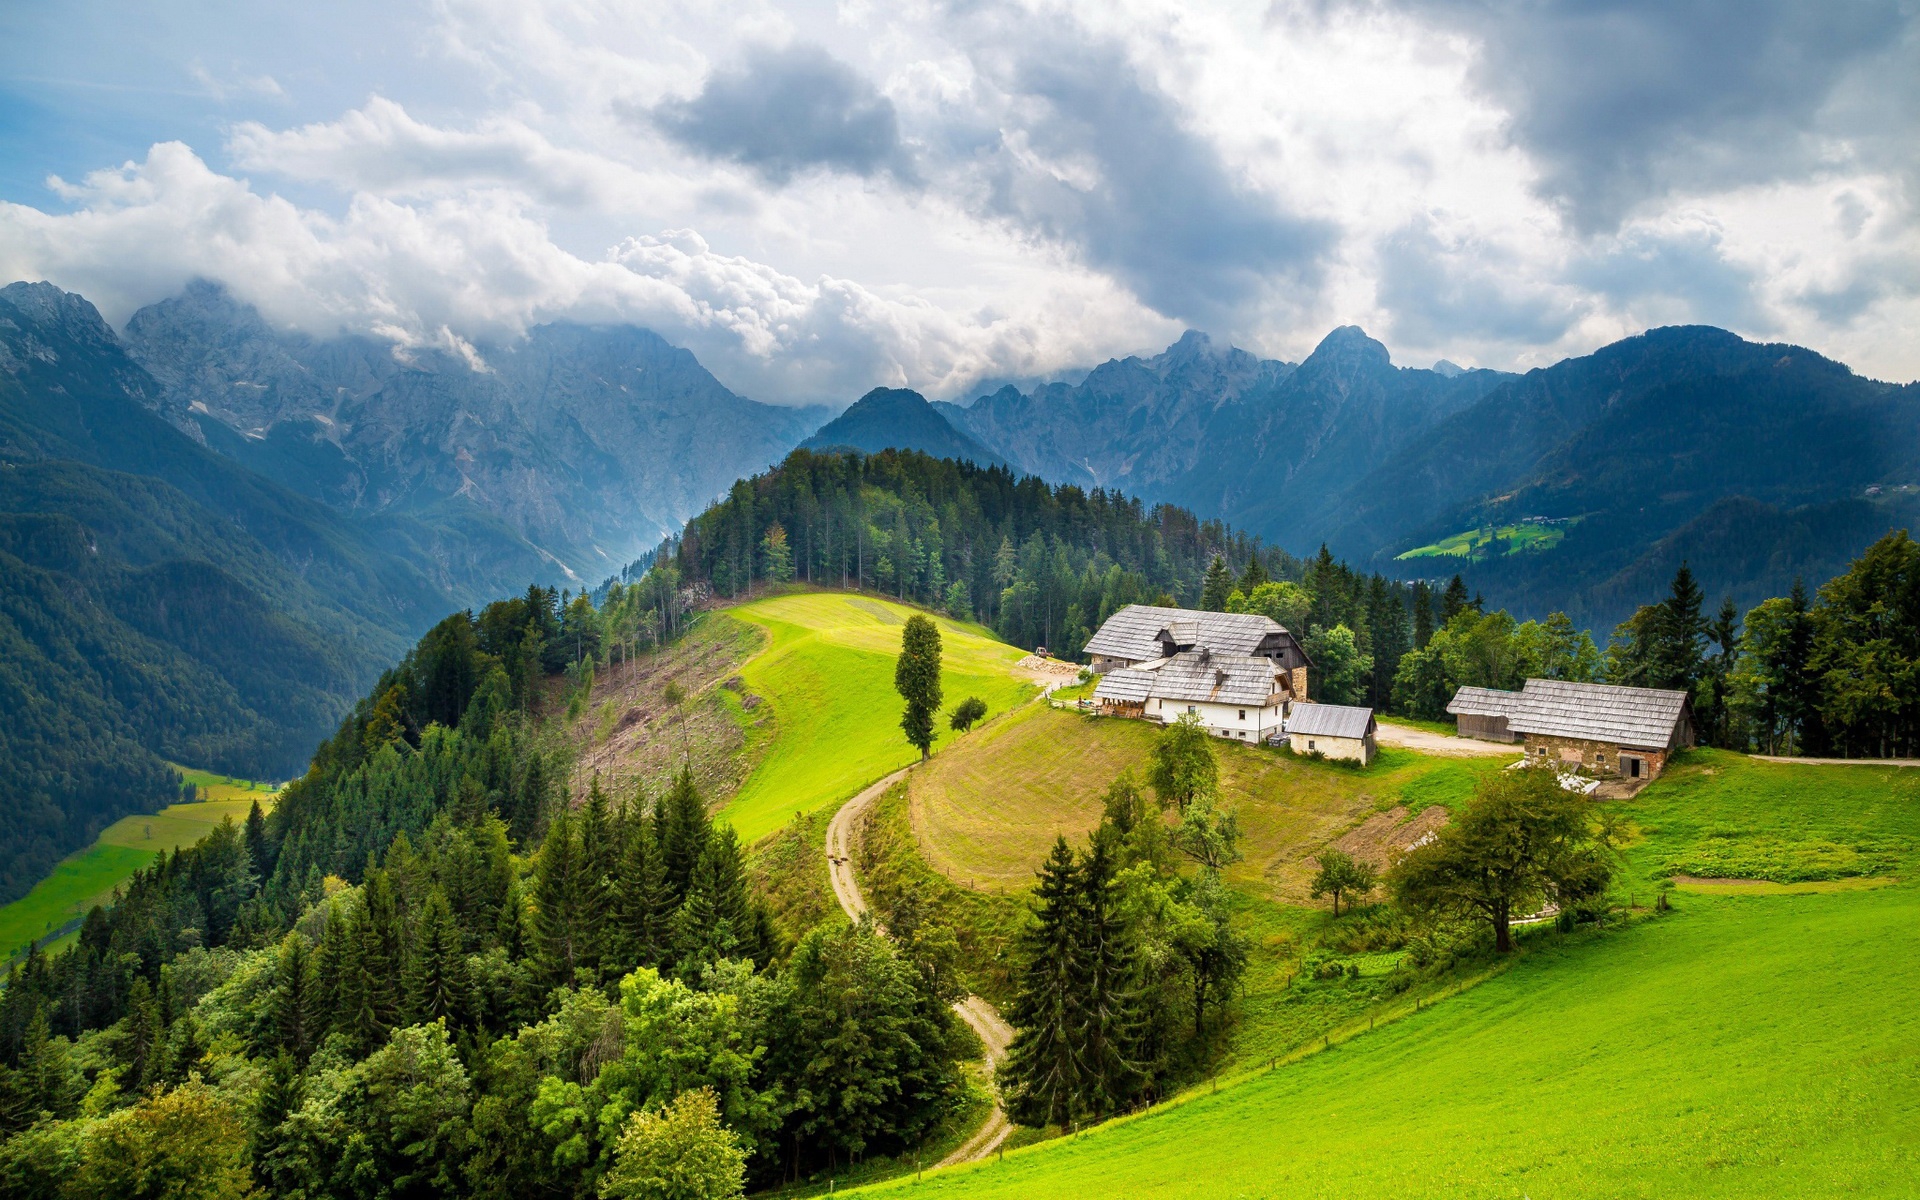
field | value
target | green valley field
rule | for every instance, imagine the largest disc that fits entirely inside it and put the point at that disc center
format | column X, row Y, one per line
column 88, row 877
column 1759, row 1040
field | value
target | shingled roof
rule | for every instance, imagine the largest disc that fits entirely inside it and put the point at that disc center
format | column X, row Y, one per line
column 1124, row 686
column 1133, row 633
column 1193, row 677
column 1600, row 712
column 1330, row 720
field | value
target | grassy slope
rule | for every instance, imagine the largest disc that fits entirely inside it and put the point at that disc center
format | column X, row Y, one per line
column 1738, row 1048
column 828, row 674
column 1747, row 1045
column 988, row 809
column 88, row 877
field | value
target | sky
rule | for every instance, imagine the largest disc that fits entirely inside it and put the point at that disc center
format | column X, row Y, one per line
column 820, row 198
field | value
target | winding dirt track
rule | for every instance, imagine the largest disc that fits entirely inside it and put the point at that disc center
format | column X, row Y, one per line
column 995, row 1033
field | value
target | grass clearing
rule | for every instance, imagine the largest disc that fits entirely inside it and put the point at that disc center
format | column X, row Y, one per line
column 1476, row 545
column 987, row 809
column 1716, row 814
column 88, row 877
column 827, row 674
column 1738, row 1047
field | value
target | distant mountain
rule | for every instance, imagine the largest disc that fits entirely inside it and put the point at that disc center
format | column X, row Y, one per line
column 898, row 419
column 1649, row 451
column 565, row 455
column 157, row 600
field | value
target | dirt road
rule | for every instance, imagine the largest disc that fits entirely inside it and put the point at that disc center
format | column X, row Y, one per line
column 1442, row 744
column 995, row 1034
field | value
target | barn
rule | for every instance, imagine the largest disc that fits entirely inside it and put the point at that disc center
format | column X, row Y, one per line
column 1332, row 731
column 1598, row 728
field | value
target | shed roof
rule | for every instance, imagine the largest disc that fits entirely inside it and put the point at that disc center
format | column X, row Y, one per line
column 1330, row 720
column 1193, row 676
column 1134, row 631
column 1598, row 712
column 1124, row 686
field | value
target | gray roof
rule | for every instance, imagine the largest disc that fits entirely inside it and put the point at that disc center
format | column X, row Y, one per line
column 1133, row 632
column 1124, row 686
column 1330, row 720
column 1599, row 712
column 1194, row 675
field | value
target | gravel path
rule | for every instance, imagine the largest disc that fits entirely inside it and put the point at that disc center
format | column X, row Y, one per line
column 986, row 1021
column 1444, row 744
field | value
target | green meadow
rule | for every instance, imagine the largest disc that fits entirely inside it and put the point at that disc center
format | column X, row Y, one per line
column 828, row 674
column 1737, row 1047
column 88, row 877
column 1759, row 1040
column 1521, row 537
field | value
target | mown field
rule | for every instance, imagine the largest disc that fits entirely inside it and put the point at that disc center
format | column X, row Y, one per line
column 1758, row 1040
column 1521, row 537
column 1736, row 1047
column 827, row 673
column 988, row 809
column 88, row 877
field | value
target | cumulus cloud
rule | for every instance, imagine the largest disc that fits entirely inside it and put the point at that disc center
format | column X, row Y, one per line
column 379, row 148
column 1625, row 101
column 1441, row 285
column 479, row 269
column 787, row 110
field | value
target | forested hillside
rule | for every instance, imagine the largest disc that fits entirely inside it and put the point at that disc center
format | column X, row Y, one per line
column 425, row 975
column 157, row 601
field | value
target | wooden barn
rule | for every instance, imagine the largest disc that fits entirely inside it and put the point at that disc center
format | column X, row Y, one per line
column 1598, row 728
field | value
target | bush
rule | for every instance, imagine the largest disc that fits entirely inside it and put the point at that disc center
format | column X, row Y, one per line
column 968, row 714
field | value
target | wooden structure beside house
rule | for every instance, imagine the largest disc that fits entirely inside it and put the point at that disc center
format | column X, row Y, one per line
column 1598, row 728
column 1332, row 731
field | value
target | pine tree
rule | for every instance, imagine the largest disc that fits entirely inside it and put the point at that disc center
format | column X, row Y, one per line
column 281, row 1093
column 1680, row 627
column 140, row 1043
column 256, row 837
column 1217, row 586
column 1109, row 1018
column 1422, row 615
column 599, row 863
column 682, row 829
column 439, row 986
column 293, row 1001
column 643, row 904
column 1252, row 577
column 1042, row 1077
column 916, row 676
column 1453, row 599
column 378, row 938
column 556, row 889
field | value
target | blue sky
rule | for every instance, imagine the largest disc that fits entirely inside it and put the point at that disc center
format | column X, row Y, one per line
column 820, row 197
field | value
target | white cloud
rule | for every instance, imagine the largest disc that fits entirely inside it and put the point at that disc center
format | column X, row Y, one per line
column 1063, row 180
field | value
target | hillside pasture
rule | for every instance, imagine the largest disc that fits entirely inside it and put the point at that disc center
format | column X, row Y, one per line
column 88, row 877
column 987, row 810
column 827, row 675
column 1737, row 1047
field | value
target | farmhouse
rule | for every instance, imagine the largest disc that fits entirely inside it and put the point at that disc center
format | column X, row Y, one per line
column 1240, row 696
column 1140, row 633
column 1333, row 731
column 1236, row 672
column 1599, row 728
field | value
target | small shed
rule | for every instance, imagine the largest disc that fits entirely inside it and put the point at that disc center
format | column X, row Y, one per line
column 1333, row 731
column 1596, row 728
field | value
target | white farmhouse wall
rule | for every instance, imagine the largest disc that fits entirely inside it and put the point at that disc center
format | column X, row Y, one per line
column 1241, row 724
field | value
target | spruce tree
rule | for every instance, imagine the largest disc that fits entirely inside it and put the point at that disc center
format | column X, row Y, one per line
column 598, row 865
column 916, row 676
column 682, row 830
column 281, row 1094
column 643, row 904
column 1109, row 1017
column 293, row 1002
column 556, row 891
column 256, row 838
column 439, row 986
column 140, row 1041
column 1041, row 1078
column 1453, row 599
column 1217, row 586
column 1253, row 576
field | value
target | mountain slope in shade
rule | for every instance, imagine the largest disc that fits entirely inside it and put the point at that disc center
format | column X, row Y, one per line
column 159, row 601
column 898, row 419
column 569, row 452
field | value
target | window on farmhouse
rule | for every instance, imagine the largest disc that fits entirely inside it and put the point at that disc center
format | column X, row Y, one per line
column 1243, row 714
column 1309, row 743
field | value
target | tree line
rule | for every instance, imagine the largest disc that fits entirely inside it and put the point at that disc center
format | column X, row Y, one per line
column 424, row 975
